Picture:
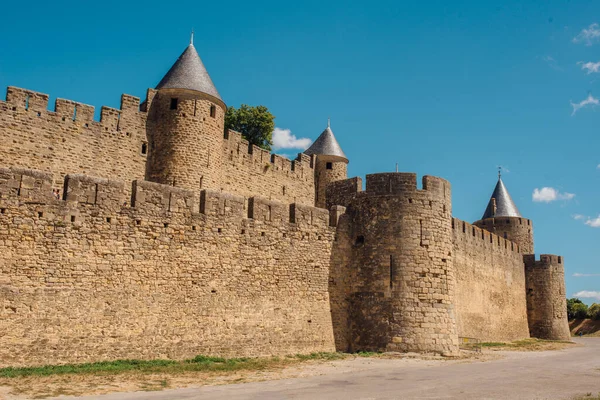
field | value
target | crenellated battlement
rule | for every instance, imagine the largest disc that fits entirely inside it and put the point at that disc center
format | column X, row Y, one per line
column 18, row 100
column 478, row 236
column 19, row 187
column 543, row 261
column 237, row 148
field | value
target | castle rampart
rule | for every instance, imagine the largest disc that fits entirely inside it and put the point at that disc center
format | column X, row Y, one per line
column 401, row 294
column 250, row 170
column 546, row 305
column 68, row 140
column 101, row 275
column 490, row 288
column 516, row 229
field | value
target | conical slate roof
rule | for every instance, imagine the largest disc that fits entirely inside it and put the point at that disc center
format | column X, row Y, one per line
column 326, row 145
column 189, row 72
column 505, row 206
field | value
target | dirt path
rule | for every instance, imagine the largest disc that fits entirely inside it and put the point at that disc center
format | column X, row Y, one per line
column 519, row 375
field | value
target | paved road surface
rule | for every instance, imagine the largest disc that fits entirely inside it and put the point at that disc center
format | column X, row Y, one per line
column 533, row 375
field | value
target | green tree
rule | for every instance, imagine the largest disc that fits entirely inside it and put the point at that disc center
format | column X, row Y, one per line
column 576, row 309
column 256, row 124
column 594, row 311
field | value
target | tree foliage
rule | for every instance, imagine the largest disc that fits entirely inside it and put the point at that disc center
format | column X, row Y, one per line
column 594, row 311
column 255, row 123
column 576, row 309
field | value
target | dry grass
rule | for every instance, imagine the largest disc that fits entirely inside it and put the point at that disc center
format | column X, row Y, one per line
column 588, row 396
column 137, row 375
column 588, row 327
column 528, row 345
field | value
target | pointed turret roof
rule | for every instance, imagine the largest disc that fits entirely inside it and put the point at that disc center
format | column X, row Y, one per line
column 189, row 72
column 501, row 204
column 327, row 145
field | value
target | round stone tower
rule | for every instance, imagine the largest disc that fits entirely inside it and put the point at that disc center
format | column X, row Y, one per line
column 331, row 163
column 185, row 127
column 503, row 218
column 402, row 269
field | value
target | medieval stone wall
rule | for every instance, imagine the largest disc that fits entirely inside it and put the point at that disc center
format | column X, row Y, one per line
column 400, row 285
column 490, row 285
column 250, row 170
column 102, row 275
column 68, row 140
column 546, row 297
column 516, row 229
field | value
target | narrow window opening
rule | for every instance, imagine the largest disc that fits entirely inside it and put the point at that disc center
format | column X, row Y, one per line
column 40, row 214
column 118, row 122
column 39, row 114
column 195, row 107
column 268, row 213
column 144, row 148
column 559, row 259
column 173, row 105
column 27, row 102
column 166, row 225
column 329, row 165
column 243, row 231
column 283, row 190
column 491, row 238
column 284, row 234
column 452, row 223
column 138, row 222
column 262, row 234
column 473, row 229
column 219, row 230
column 482, row 234
column 360, row 240
column 213, row 111
column 72, row 218
column 75, row 112
column 421, row 228
column 444, row 208
column 464, row 228
column 391, row 271
column 410, row 201
column 2, row 210
column 193, row 227
column 108, row 219
column 520, row 221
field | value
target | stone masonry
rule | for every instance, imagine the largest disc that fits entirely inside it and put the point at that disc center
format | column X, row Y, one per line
column 172, row 237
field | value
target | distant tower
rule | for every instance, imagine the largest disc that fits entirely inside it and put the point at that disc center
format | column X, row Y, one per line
column 331, row 163
column 185, row 126
column 503, row 218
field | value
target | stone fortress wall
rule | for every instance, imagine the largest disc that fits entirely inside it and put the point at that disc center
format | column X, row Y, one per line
column 104, row 275
column 237, row 262
column 68, row 140
column 490, row 289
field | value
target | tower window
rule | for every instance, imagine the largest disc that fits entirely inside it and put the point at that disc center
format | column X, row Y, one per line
column 213, row 111
column 329, row 165
column 144, row 148
column 173, row 104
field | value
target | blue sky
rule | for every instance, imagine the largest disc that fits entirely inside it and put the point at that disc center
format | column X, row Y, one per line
column 452, row 89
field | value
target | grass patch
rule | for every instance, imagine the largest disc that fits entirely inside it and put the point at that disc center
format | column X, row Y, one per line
column 198, row 363
column 528, row 344
column 588, row 396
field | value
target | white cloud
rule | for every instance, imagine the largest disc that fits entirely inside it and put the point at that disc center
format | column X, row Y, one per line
column 588, row 294
column 598, row 167
column 283, row 139
column 590, row 67
column 578, row 275
column 593, row 222
column 578, row 217
column 588, row 35
column 583, row 103
column 548, row 194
